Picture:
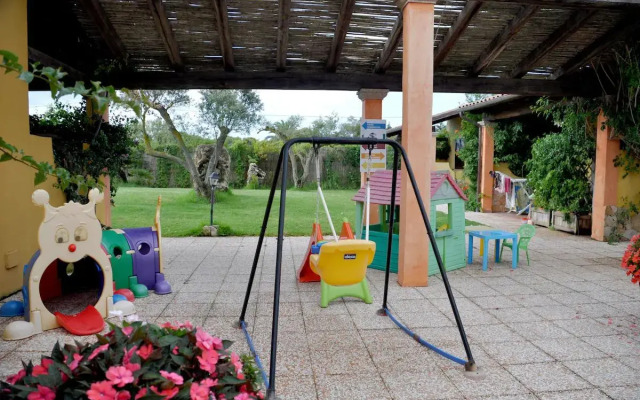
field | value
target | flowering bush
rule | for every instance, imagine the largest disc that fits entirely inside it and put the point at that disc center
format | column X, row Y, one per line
column 139, row 361
column 631, row 259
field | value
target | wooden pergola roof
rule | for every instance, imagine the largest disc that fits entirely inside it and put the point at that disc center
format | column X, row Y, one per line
column 530, row 47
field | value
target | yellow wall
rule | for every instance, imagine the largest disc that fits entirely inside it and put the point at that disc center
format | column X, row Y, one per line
column 628, row 188
column 19, row 219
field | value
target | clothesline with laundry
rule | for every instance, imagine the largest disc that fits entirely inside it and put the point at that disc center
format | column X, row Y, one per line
column 517, row 196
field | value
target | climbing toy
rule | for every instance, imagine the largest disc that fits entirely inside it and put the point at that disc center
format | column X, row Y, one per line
column 70, row 255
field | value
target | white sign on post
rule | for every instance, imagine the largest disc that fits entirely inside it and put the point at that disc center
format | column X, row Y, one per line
column 373, row 129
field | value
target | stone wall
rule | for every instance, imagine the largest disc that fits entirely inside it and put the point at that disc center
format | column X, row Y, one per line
column 619, row 224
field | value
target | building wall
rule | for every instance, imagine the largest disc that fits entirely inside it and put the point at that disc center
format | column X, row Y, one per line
column 19, row 218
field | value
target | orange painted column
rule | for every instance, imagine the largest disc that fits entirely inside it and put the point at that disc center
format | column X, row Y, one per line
column 417, row 101
column 486, row 180
column 605, row 187
column 371, row 109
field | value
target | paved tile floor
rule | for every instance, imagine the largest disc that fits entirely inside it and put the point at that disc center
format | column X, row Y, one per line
column 565, row 327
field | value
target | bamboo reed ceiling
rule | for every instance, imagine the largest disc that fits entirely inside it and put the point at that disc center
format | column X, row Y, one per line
column 334, row 44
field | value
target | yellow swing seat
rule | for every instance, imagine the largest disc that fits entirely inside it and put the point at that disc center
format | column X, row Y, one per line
column 342, row 267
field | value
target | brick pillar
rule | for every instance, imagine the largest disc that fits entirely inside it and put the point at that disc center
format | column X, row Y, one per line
column 605, row 187
column 486, row 166
column 417, row 99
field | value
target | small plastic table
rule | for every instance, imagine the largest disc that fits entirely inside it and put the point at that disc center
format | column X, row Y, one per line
column 496, row 235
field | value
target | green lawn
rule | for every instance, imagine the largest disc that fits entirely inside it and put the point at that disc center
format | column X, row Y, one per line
column 240, row 213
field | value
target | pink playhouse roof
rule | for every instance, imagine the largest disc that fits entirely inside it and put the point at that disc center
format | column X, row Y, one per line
column 380, row 184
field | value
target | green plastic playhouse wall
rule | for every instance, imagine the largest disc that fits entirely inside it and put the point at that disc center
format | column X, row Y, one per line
column 450, row 242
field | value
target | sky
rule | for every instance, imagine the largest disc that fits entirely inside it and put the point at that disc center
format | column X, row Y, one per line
column 310, row 104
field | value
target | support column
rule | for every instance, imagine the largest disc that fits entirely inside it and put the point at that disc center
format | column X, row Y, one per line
column 605, row 187
column 486, row 166
column 417, row 99
column 371, row 109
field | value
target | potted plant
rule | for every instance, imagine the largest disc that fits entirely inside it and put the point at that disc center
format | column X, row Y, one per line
column 140, row 361
column 631, row 259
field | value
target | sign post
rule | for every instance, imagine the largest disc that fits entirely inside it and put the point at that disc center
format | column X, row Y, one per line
column 373, row 129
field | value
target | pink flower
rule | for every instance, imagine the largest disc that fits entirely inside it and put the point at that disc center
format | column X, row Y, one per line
column 175, row 350
column 128, row 354
column 186, row 324
column 169, row 325
column 101, row 391
column 209, row 382
column 76, row 361
column 141, row 393
column 127, row 330
column 133, row 367
column 208, row 361
column 166, row 393
column 235, row 360
column 15, row 378
column 123, row 395
column 119, row 376
column 173, row 377
column 42, row 369
column 204, row 341
column 145, row 351
column 199, row 392
column 242, row 396
column 43, row 393
column 98, row 350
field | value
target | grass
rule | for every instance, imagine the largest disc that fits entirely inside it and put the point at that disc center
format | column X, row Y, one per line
column 239, row 213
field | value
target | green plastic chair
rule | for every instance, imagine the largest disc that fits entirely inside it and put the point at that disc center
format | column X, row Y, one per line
column 525, row 233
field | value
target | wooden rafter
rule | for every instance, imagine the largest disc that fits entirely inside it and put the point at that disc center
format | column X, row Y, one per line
column 333, row 81
column 222, row 26
column 104, row 26
column 164, row 29
column 342, row 26
column 499, row 43
column 568, row 28
column 621, row 31
column 36, row 55
column 283, row 34
column 576, row 4
column 390, row 47
column 456, row 30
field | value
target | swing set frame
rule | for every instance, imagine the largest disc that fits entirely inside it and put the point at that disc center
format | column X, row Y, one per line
column 282, row 170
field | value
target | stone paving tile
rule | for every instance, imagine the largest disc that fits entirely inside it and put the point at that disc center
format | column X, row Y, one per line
column 623, row 392
column 515, row 315
column 404, row 359
column 496, row 302
column 618, row 345
column 329, row 322
column 516, row 353
column 420, row 386
column 585, row 394
column 547, row 377
column 604, row 372
column 492, row 333
column 539, row 330
column 585, row 327
column 351, row 386
column 295, row 387
column 568, row 349
column 12, row 362
column 496, row 382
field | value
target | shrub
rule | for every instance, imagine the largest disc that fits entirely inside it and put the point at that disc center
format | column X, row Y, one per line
column 631, row 259
column 443, row 147
column 139, row 361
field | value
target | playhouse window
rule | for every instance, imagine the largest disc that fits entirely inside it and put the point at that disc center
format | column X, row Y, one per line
column 444, row 223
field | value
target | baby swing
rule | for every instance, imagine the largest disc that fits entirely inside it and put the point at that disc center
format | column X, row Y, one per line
column 341, row 264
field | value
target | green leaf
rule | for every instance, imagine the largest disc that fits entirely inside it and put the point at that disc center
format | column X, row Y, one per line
column 168, row 340
column 30, row 160
column 26, row 76
column 39, row 178
column 5, row 157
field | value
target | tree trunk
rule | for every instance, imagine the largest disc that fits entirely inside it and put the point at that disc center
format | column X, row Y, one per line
column 307, row 165
column 197, row 183
column 294, row 169
column 213, row 161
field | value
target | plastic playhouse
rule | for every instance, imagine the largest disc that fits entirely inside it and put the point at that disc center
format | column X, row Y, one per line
column 70, row 257
column 449, row 236
column 136, row 258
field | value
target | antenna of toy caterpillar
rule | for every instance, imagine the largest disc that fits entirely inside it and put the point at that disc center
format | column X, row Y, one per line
column 95, row 196
column 41, row 198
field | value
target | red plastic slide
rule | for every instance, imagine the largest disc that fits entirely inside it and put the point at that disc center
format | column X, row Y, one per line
column 305, row 274
column 86, row 322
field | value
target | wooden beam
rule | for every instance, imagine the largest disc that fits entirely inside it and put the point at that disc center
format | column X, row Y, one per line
column 163, row 27
column 342, row 26
column 576, row 4
column 104, row 26
column 46, row 60
column 621, row 31
column 390, row 47
column 283, row 34
column 499, row 43
column 568, row 28
column 456, row 30
column 336, row 81
column 222, row 26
